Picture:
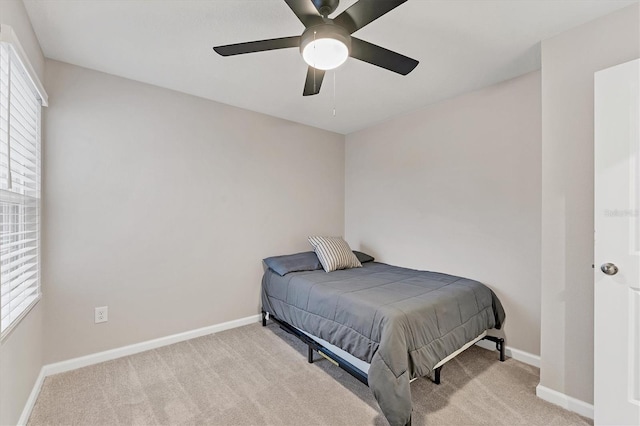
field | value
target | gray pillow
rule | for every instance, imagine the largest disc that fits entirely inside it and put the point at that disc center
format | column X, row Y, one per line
column 363, row 257
column 282, row 265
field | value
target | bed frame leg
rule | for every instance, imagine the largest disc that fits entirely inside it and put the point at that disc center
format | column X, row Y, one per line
column 436, row 375
column 499, row 341
column 264, row 319
column 310, row 355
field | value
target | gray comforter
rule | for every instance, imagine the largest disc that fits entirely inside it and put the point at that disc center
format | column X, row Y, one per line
column 401, row 321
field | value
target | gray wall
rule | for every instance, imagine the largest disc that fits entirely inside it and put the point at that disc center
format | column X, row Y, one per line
column 568, row 64
column 456, row 188
column 161, row 205
column 21, row 350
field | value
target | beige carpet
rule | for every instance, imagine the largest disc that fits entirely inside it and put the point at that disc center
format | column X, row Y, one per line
column 260, row 376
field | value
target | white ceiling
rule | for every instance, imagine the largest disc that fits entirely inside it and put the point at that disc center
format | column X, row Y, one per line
column 462, row 45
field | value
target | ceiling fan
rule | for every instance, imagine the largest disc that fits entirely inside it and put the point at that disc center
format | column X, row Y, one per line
column 327, row 43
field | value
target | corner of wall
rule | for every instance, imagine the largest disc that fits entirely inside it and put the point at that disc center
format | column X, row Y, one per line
column 569, row 61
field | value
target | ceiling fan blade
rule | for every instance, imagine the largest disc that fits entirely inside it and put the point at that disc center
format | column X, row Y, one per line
column 305, row 11
column 258, row 46
column 381, row 57
column 364, row 12
column 313, row 82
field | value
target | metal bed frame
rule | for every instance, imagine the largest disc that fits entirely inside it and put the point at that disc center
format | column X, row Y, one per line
column 312, row 346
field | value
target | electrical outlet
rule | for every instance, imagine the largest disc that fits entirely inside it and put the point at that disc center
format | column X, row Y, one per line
column 101, row 314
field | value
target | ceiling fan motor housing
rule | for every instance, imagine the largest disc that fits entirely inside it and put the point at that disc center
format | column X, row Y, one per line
column 326, row 7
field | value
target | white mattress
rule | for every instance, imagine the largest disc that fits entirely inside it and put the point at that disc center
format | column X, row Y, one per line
column 358, row 363
column 364, row 366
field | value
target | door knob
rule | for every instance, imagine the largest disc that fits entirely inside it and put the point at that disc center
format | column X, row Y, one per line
column 609, row 268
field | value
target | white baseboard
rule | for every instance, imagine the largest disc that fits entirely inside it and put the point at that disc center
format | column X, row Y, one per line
column 549, row 395
column 83, row 361
column 96, row 358
column 517, row 354
column 565, row 401
column 31, row 401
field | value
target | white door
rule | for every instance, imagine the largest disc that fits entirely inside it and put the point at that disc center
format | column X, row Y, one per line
column 617, row 246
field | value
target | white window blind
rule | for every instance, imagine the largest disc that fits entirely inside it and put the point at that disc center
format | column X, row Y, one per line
column 20, row 112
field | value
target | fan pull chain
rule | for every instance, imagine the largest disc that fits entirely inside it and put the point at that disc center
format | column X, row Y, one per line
column 314, row 62
column 334, row 93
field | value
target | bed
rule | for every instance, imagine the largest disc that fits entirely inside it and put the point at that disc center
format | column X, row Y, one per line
column 384, row 324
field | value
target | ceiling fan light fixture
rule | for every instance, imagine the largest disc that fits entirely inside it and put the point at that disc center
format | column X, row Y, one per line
column 326, row 43
column 325, row 53
column 325, row 46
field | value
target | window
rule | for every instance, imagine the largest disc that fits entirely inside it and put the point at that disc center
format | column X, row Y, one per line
column 20, row 111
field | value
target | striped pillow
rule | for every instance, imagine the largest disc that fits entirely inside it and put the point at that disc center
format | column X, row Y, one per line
column 334, row 253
